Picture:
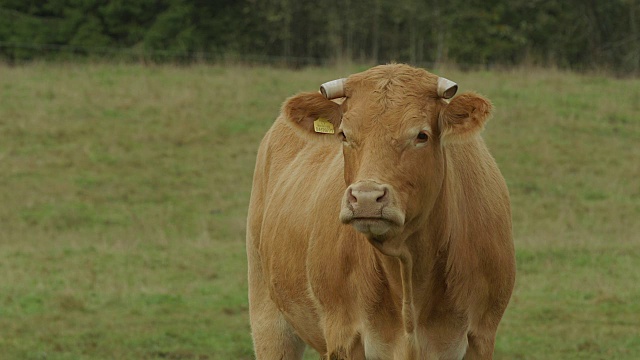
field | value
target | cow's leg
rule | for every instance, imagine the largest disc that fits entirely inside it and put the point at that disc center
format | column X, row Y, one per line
column 343, row 340
column 355, row 352
column 273, row 336
column 481, row 346
column 456, row 350
column 446, row 338
column 482, row 336
column 452, row 349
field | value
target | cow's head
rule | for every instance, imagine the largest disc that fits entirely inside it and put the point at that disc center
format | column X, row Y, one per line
column 395, row 126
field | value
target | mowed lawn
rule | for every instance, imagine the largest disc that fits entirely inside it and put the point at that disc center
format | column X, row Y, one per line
column 124, row 188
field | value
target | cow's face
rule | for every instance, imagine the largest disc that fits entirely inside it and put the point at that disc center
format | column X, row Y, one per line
column 394, row 130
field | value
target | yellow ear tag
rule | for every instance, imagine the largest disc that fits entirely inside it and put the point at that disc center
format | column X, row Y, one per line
column 322, row 125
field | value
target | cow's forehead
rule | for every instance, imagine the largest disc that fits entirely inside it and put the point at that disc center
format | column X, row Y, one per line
column 365, row 117
column 392, row 83
column 397, row 97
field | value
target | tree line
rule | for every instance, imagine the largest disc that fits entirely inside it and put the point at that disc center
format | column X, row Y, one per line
column 576, row 34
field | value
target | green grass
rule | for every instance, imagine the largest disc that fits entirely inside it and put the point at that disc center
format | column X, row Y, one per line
column 123, row 194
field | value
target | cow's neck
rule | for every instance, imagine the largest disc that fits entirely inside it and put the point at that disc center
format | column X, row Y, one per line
column 421, row 264
column 409, row 271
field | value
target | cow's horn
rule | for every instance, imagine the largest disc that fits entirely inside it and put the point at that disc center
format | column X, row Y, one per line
column 446, row 88
column 333, row 89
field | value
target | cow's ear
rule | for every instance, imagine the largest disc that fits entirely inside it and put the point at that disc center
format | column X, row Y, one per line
column 464, row 117
column 305, row 108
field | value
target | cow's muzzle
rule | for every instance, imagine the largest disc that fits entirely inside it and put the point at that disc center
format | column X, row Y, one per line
column 371, row 208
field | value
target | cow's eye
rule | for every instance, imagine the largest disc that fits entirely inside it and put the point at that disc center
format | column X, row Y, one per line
column 343, row 137
column 422, row 137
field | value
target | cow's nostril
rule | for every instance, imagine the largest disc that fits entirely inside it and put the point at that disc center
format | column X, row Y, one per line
column 382, row 198
column 351, row 197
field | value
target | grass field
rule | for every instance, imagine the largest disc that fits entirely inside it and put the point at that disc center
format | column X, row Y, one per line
column 123, row 194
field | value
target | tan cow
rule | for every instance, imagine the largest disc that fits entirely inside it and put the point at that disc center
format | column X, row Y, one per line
column 390, row 239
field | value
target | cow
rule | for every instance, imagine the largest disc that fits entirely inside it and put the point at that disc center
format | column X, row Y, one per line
column 379, row 225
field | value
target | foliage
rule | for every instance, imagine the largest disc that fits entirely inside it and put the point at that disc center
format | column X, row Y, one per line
column 570, row 34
